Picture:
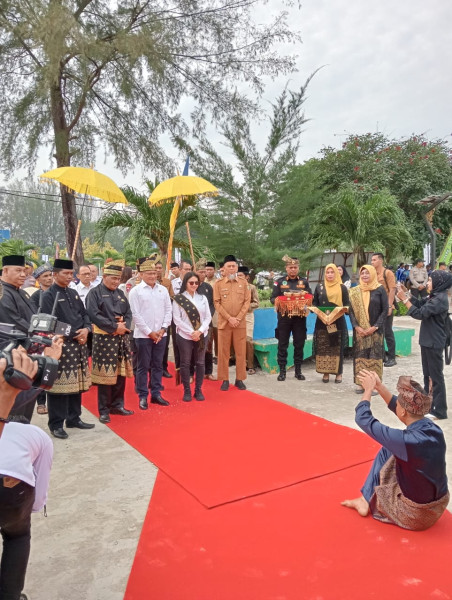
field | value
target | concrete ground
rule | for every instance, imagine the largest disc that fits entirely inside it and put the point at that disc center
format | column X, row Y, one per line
column 100, row 486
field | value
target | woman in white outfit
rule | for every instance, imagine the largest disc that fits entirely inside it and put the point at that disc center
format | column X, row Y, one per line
column 191, row 315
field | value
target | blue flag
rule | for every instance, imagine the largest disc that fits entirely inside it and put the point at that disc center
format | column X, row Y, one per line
column 187, row 166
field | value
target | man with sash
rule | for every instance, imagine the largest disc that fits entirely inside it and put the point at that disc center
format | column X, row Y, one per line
column 151, row 310
column 291, row 316
column 110, row 313
column 64, row 399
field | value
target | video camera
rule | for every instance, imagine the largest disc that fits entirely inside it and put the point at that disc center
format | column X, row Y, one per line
column 40, row 334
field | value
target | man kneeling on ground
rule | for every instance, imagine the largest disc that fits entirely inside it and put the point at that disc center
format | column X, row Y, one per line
column 407, row 484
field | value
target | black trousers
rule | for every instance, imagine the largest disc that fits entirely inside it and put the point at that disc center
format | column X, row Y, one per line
column 286, row 326
column 111, row 396
column 63, row 406
column 418, row 293
column 16, row 504
column 432, row 367
column 389, row 337
column 165, row 356
column 188, row 349
column 24, row 404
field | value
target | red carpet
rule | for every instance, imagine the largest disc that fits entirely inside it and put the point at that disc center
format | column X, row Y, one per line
column 296, row 543
column 235, row 444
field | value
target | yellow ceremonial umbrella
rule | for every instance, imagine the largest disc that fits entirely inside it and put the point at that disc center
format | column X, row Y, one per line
column 178, row 187
column 182, row 185
column 87, row 181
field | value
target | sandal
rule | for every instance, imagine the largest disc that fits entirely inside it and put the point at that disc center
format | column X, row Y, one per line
column 41, row 409
column 326, row 378
column 251, row 371
column 338, row 379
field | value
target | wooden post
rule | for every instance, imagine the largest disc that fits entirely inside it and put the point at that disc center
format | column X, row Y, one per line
column 191, row 245
column 77, row 235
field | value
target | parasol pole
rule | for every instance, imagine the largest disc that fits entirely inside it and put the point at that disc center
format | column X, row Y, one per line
column 77, row 234
column 191, row 245
column 172, row 223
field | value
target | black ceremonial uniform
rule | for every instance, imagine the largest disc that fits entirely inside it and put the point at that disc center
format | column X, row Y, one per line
column 205, row 289
column 288, row 325
column 111, row 353
column 64, row 399
column 16, row 308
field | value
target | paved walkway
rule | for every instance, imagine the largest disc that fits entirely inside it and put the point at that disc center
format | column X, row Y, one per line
column 100, row 486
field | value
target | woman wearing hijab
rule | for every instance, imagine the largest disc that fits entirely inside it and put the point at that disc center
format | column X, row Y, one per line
column 432, row 312
column 368, row 310
column 330, row 333
column 345, row 276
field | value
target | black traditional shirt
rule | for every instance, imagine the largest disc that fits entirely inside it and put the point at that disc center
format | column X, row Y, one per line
column 16, row 307
column 205, row 289
column 285, row 284
column 69, row 308
column 104, row 305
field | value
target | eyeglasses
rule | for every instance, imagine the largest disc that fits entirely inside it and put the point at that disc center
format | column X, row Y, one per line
column 193, row 283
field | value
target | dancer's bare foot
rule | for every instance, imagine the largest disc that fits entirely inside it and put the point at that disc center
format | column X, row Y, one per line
column 359, row 504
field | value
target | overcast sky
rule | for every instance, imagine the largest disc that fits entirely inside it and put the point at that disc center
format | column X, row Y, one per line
column 387, row 67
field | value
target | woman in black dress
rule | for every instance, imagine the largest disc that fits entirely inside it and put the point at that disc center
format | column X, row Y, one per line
column 330, row 333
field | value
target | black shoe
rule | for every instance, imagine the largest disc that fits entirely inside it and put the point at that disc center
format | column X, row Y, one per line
column 359, row 391
column 59, row 433
column 198, row 395
column 167, row 375
column 104, row 418
column 121, row 411
column 224, row 386
column 239, row 384
column 298, row 374
column 390, row 363
column 80, row 425
column 282, row 374
column 159, row 400
column 187, row 396
column 143, row 403
column 23, row 596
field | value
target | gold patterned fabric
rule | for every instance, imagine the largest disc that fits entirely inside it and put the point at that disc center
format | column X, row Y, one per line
column 73, row 375
column 293, row 305
column 111, row 357
column 330, row 316
column 389, row 505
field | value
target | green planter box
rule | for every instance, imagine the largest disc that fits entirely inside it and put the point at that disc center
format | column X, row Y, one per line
column 266, row 349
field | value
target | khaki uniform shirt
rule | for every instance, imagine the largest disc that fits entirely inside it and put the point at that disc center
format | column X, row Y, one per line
column 167, row 283
column 232, row 299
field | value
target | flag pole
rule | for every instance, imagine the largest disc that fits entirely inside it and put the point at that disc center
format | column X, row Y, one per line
column 77, row 234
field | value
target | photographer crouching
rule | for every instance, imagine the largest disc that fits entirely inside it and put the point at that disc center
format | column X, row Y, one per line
column 26, row 454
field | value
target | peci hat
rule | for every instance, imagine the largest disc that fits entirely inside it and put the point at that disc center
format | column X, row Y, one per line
column 229, row 258
column 61, row 263
column 114, row 267
column 174, row 264
column 13, row 260
column 210, row 263
column 244, row 269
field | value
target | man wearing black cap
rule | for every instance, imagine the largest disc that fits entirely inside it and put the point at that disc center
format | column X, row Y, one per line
column 111, row 316
column 64, row 399
column 232, row 301
column 287, row 324
column 17, row 308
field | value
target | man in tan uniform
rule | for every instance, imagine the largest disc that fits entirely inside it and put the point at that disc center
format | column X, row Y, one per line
column 232, row 301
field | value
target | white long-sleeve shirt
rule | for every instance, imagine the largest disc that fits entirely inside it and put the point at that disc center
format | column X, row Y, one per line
column 26, row 453
column 183, row 324
column 151, row 308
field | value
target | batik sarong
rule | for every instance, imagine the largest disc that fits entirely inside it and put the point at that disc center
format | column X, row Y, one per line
column 73, row 370
column 111, row 357
column 389, row 505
